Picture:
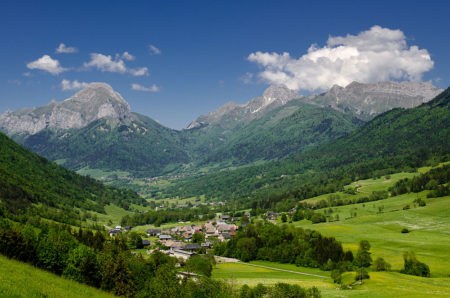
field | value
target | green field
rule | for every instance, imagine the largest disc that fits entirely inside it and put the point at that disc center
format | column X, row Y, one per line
column 22, row 280
column 380, row 284
column 429, row 227
column 379, row 222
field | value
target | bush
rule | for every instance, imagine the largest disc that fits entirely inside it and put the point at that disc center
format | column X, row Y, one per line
column 381, row 265
column 405, row 231
column 413, row 266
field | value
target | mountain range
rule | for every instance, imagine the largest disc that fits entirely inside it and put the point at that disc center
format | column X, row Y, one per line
column 96, row 129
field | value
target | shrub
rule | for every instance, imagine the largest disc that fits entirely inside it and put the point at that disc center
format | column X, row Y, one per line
column 413, row 266
column 405, row 230
column 381, row 265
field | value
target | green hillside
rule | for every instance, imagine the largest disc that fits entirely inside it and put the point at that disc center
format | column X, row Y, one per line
column 30, row 184
column 141, row 146
column 401, row 139
column 18, row 279
column 291, row 129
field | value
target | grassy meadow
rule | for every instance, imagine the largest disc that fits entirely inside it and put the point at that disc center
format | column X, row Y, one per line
column 18, row 279
column 381, row 223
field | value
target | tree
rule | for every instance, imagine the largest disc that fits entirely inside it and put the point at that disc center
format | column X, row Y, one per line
column 199, row 264
column 136, row 240
column 198, row 237
column 381, row 265
column 412, row 266
column 247, row 249
column 363, row 260
column 82, row 266
column 283, row 217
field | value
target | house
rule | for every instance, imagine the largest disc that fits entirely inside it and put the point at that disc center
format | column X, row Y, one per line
column 188, row 237
column 235, row 219
column 113, row 232
column 145, row 242
column 247, row 214
column 271, row 215
column 179, row 253
column 119, row 227
column 222, row 227
column 225, row 217
column 244, row 224
column 165, row 237
column 127, row 228
column 153, row 232
column 173, row 244
column 191, row 247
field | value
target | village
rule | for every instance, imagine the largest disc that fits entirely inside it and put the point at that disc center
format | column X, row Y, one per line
column 185, row 241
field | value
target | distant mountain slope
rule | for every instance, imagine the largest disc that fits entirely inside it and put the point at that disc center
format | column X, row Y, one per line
column 96, row 101
column 366, row 101
column 139, row 145
column 96, row 129
column 27, row 178
column 285, row 131
column 396, row 140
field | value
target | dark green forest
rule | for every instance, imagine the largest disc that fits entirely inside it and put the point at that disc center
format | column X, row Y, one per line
column 32, row 185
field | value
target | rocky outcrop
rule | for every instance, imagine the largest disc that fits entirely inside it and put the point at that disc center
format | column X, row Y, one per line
column 273, row 97
column 366, row 101
column 97, row 100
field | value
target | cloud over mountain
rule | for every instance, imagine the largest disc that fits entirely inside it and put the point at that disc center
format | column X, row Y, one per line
column 74, row 85
column 137, row 87
column 378, row 54
column 107, row 63
column 48, row 64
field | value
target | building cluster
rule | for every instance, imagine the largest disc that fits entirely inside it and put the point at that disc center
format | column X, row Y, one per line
column 213, row 230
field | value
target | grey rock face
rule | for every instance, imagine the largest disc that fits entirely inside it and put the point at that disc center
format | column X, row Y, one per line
column 366, row 101
column 273, row 97
column 96, row 101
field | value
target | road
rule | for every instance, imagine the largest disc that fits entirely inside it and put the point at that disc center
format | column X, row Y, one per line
column 284, row 270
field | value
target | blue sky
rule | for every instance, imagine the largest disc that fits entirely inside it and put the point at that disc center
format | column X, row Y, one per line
column 210, row 52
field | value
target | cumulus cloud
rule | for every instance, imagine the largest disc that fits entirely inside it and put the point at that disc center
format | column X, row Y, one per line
column 153, row 88
column 48, row 64
column 74, row 85
column 127, row 56
column 107, row 63
column 63, row 49
column 154, row 50
column 378, row 54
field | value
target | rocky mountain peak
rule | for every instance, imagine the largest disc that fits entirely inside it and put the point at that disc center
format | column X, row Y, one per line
column 96, row 101
column 281, row 93
column 273, row 97
column 368, row 100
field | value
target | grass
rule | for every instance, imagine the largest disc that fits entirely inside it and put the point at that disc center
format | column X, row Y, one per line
column 379, row 222
column 22, row 280
column 380, row 284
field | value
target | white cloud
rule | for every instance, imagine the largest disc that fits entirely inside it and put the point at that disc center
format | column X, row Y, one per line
column 247, row 78
column 48, row 64
column 142, row 71
column 74, row 85
column 378, row 54
column 62, row 48
column 127, row 56
column 107, row 63
column 153, row 88
column 154, row 50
